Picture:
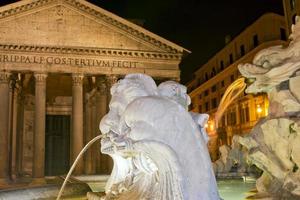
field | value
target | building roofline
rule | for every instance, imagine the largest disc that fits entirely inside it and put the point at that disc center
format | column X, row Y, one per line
column 265, row 15
column 253, row 51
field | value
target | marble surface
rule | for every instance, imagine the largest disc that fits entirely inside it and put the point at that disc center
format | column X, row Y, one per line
column 274, row 141
column 156, row 145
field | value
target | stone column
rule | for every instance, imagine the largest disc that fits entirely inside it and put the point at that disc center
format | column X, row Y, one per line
column 102, row 165
column 77, row 121
column 39, row 127
column 110, row 80
column 4, row 125
column 88, row 163
column 14, row 121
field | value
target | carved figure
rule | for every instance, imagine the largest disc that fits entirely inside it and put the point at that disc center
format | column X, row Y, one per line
column 156, row 146
column 274, row 142
column 234, row 157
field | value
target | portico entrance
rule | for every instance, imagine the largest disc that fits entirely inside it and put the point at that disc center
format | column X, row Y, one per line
column 57, row 151
column 56, row 71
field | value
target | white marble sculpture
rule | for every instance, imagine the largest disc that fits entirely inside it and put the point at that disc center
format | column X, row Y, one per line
column 231, row 157
column 274, row 143
column 157, row 149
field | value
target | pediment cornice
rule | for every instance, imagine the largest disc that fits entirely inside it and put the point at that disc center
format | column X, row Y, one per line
column 97, row 13
column 11, row 48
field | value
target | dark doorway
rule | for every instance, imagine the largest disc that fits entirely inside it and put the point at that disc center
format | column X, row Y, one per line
column 57, row 152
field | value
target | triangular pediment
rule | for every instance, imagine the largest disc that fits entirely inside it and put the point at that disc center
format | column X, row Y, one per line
column 75, row 23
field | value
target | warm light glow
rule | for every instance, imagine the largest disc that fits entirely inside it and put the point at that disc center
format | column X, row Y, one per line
column 232, row 92
column 258, row 109
column 206, row 125
column 211, row 127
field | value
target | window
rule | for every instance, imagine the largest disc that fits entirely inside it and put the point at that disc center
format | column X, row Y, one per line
column 255, row 40
column 213, row 72
column 232, row 78
column 206, row 76
column 223, row 120
column 231, row 58
column 282, row 34
column 231, row 118
column 247, row 114
column 244, row 114
column 214, row 103
column 200, row 108
column 206, row 93
column 223, row 83
column 200, row 96
column 213, row 88
column 207, row 106
column 221, row 65
column 242, row 117
column 242, row 48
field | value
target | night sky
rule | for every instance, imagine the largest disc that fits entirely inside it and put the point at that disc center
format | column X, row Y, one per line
column 197, row 25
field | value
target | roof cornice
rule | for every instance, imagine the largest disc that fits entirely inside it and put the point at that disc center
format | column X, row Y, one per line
column 90, row 51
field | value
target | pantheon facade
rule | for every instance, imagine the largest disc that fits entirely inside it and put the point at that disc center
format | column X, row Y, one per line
column 58, row 60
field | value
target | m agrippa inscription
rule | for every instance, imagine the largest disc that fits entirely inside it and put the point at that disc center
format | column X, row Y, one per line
column 59, row 60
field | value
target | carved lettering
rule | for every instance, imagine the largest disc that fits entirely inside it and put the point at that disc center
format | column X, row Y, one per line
column 81, row 62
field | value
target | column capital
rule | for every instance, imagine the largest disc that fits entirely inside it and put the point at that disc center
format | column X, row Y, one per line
column 112, row 79
column 40, row 77
column 4, row 76
column 101, row 85
column 77, row 79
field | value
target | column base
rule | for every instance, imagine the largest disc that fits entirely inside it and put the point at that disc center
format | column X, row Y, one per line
column 4, row 183
column 38, row 181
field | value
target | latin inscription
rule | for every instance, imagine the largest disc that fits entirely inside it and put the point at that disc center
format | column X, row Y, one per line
column 82, row 62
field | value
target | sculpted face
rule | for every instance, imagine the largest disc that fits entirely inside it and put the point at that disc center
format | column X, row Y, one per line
column 147, row 133
column 113, row 125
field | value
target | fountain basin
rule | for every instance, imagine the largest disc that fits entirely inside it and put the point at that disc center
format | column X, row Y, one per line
column 236, row 189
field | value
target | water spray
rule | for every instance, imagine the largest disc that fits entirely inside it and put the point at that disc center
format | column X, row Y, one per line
column 231, row 93
column 75, row 163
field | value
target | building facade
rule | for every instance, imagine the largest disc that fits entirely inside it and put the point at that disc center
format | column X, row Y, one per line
column 58, row 59
column 213, row 78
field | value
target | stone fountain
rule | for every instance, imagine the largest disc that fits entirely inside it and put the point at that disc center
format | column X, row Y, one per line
column 157, row 147
column 274, row 142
